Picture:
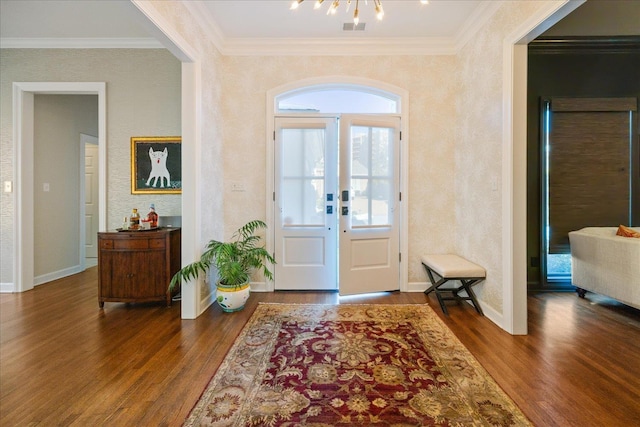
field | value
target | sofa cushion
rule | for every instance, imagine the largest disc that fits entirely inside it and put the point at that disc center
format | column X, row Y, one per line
column 627, row 232
column 607, row 264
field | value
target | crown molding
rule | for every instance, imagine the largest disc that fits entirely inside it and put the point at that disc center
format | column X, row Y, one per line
column 77, row 43
column 475, row 22
column 338, row 47
column 342, row 46
column 207, row 22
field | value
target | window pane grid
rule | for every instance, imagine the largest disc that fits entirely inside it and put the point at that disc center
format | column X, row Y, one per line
column 302, row 179
column 371, row 176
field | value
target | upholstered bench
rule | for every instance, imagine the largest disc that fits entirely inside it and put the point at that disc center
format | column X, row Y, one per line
column 450, row 267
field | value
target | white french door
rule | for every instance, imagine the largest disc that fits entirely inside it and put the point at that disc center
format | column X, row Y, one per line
column 305, row 203
column 369, row 198
column 336, row 203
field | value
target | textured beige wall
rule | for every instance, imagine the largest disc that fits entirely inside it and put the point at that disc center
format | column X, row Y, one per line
column 143, row 98
column 479, row 136
column 432, row 85
column 455, row 139
column 455, row 134
column 58, row 121
column 210, row 161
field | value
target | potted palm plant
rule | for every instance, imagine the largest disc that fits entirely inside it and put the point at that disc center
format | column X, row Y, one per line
column 234, row 261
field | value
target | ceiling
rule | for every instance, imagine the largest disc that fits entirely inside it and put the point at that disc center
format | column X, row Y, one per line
column 409, row 18
column 442, row 24
column 270, row 27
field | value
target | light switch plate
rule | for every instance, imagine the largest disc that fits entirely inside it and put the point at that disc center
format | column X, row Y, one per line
column 237, row 186
column 8, row 186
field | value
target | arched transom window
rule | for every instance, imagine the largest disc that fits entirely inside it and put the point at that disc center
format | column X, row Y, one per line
column 338, row 99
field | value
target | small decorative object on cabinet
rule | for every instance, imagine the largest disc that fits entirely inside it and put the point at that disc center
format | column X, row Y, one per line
column 152, row 216
column 137, row 266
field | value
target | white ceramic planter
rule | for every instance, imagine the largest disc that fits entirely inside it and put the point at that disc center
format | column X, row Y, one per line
column 234, row 298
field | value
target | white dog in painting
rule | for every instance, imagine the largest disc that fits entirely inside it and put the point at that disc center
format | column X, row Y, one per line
column 158, row 167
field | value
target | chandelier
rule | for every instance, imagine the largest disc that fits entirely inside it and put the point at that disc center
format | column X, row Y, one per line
column 336, row 3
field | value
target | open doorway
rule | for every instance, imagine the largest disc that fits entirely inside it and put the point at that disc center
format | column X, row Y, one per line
column 58, row 174
column 31, row 180
column 587, row 169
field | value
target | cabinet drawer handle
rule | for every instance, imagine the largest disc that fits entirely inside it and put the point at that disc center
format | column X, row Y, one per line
column 106, row 244
column 156, row 243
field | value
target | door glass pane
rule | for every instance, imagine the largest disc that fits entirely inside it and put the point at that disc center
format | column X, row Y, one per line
column 371, row 176
column 302, row 186
column 381, row 151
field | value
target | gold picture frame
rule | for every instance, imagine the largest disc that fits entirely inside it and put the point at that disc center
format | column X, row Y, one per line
column 156, row 165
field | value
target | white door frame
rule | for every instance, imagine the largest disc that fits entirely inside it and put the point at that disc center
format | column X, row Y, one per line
column 345, row 82
column 23, row 151
column 514, row 162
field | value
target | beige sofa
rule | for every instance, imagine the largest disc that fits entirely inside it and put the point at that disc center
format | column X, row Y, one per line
column 606, row 264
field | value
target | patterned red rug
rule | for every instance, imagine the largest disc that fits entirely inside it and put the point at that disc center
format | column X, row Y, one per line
column 345, row 365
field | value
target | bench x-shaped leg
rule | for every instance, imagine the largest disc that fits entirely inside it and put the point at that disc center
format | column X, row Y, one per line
column 466, row 283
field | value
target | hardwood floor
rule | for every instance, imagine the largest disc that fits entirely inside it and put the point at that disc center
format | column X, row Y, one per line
column 63, row 361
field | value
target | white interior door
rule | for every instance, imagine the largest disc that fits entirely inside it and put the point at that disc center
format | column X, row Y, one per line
column 305, row 203
column 369, row 204
column 91, row 201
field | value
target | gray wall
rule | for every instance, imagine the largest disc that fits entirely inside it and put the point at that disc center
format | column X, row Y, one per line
column 58, row 122
column 143, row 99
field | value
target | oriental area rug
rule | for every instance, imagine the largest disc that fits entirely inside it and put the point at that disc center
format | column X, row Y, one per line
column 349, row 365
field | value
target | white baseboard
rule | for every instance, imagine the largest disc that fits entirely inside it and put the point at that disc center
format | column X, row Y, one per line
column 45, row 278
column 260, row 287
column 489, row 312
column 417, row 286
column 207, row 301
column 6, row 288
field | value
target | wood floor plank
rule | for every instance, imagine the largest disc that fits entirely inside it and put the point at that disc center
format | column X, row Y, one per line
column 63, row 361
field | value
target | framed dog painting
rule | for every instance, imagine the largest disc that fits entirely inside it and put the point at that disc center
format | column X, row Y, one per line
column 156, row 165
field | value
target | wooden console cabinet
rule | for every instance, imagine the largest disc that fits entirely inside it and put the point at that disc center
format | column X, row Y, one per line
column 137, row 266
